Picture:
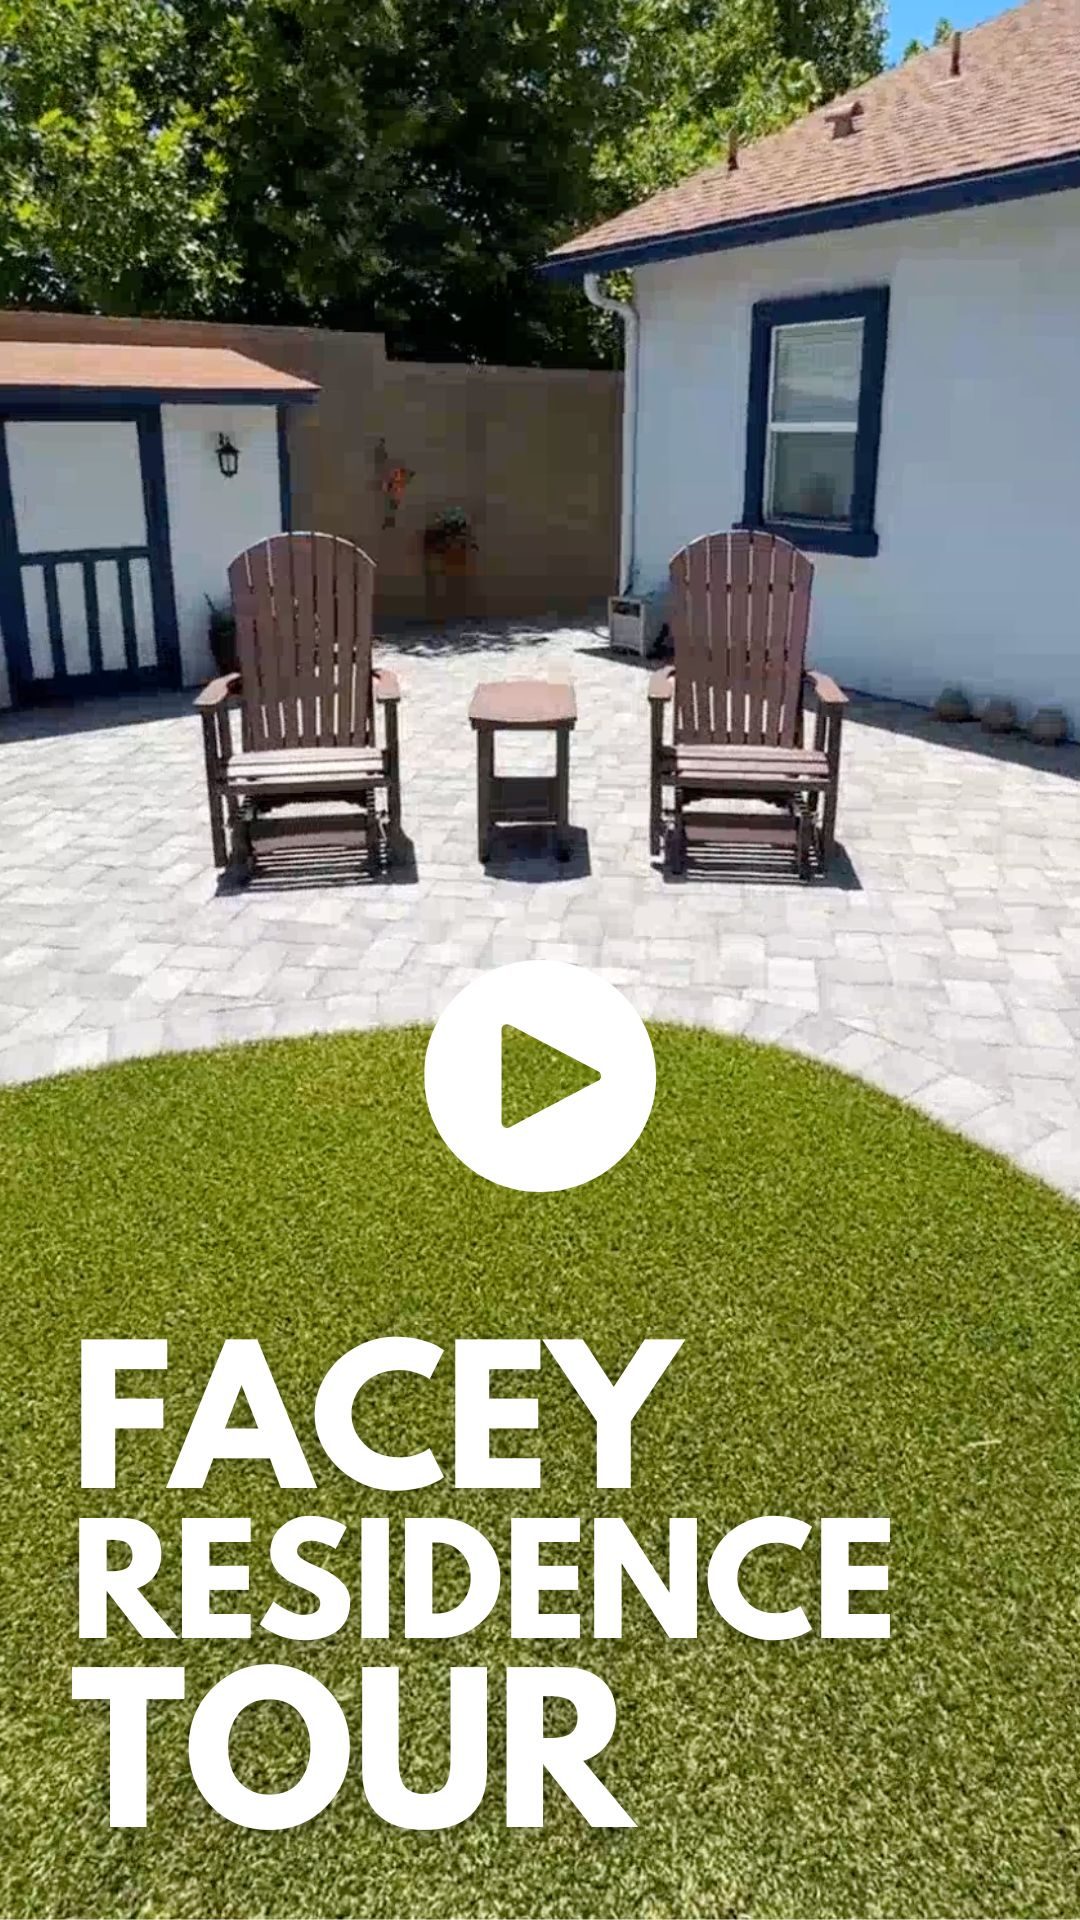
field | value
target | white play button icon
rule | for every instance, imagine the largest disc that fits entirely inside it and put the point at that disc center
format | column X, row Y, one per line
column 587, row 1122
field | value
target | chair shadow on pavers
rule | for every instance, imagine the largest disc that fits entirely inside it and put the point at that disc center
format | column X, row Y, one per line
column 287, row 865
column 757, row 865
column 526, row 853
column 736, row 691
column 318, row 720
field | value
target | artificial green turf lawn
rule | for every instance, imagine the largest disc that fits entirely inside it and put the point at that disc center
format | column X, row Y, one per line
column 878, row 1319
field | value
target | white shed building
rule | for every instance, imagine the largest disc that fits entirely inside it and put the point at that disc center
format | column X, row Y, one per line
column 862, row 333
column 130, row 476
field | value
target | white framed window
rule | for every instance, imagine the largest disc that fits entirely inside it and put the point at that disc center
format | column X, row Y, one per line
column 812, row 427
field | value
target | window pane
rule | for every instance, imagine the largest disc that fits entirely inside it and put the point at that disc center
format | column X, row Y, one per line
column 811, row 476
column 816, row 372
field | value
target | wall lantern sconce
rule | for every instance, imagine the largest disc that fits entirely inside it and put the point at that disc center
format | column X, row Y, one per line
column 228, row 456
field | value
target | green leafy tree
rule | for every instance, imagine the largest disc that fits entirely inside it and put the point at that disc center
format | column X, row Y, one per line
column 694, row 73
column 942, row 32
column 111, row 198
column 405, row 171
column 388, row 164
column 843, row 39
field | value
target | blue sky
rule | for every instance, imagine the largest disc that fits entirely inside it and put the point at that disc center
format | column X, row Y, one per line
column 916, row 19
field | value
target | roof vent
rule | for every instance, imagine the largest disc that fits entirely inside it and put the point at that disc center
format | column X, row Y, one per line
column 843, row 119
column 954, row 57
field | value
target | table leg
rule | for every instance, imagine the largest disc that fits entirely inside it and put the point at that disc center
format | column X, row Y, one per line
column 485, row 769
column 562, row 793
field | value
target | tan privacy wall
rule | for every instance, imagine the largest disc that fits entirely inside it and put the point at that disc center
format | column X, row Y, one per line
column 530, row 456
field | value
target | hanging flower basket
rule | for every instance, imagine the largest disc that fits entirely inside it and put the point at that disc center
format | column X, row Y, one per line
column 448, row 542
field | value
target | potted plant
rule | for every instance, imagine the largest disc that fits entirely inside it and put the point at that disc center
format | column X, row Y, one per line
column 221, row 630
column 448, row 541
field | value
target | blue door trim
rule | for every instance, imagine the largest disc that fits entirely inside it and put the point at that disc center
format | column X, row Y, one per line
column 127, row 616
column 166, row 671
column 156, row 501
column 93, row 616
column 60, row 556
column 13, row 636
column 284, row 470
column 52, row 612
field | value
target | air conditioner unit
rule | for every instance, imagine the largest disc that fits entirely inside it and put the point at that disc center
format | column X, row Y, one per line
column 635, row 621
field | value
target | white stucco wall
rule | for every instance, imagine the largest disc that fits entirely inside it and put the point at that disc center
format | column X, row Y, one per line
column 212, row 519
column 978, row 505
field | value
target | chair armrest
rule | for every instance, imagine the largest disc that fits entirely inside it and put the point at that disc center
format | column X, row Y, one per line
column 825, row 690
column 386, row 684
column 217, row 693
column 662, row 684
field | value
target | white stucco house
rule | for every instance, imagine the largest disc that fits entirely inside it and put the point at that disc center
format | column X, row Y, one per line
column 864, row 333
column 130, row 476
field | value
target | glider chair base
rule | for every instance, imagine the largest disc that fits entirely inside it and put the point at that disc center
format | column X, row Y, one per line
column 246, row 791
column 799, row 785
column 692, row 830
column 255, row 827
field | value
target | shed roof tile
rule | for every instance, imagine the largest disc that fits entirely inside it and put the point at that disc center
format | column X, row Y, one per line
column 48, row 366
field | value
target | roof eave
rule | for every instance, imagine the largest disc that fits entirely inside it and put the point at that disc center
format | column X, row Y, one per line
column 949, row 195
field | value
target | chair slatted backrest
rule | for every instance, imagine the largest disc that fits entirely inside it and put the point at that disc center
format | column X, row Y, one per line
column 303, row 608
column 740, row 609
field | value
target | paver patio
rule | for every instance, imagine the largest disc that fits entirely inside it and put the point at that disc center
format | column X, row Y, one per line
column 941, row 960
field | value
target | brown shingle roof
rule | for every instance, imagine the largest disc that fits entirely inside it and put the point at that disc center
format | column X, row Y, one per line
column 39, row 367
column 1015, row 101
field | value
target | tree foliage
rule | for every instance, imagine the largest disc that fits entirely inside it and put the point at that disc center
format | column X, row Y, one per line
column 691, row 77
column 942, row 32
column 392, row 164
column 111, row 198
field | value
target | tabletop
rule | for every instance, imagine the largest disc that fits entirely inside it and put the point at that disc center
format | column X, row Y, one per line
column 523, row 703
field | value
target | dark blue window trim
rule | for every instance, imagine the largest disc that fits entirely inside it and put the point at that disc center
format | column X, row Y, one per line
column 906, row 203
column 871, row 306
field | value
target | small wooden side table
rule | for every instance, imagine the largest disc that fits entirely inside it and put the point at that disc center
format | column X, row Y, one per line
column 518, row 706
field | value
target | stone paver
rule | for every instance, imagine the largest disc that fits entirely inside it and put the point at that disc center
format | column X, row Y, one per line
column 941, row 962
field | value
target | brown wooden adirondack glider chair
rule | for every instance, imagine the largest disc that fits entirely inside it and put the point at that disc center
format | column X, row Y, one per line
column 740, row 608
column 307, row 694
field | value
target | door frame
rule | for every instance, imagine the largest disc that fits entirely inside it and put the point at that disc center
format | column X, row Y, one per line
column 166, row 672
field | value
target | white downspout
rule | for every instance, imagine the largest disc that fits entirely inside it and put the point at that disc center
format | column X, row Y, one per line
column 628, row 314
